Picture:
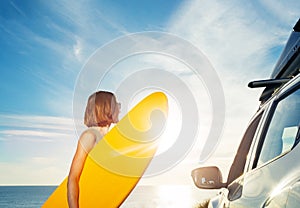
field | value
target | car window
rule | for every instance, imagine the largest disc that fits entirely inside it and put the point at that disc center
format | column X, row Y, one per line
column 238, row 165
column 281, row 134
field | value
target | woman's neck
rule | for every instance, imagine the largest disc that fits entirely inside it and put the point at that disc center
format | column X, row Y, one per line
column 103, row 129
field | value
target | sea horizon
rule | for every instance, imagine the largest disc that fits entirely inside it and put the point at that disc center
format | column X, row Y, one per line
column 142, row 196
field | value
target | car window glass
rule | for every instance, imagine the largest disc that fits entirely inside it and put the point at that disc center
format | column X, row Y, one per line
column 288, row 138
column 282, row 131
column 238, row 165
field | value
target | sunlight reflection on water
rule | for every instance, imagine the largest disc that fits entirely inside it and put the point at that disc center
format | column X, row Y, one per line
column 178, row 196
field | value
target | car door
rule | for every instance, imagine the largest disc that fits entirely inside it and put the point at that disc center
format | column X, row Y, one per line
column 273, row 159
column 233, row 190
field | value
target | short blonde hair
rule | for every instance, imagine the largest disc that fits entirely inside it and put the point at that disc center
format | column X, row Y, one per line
column 102, row 109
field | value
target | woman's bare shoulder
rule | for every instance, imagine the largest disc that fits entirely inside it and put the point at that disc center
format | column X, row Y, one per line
column 87, row 140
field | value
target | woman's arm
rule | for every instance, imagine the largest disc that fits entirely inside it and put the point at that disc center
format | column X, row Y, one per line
column 85, row 144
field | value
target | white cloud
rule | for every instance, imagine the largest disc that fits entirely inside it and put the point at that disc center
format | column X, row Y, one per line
column 77, row 49
column 17, row 9
column 232, row 37
column 84, row 33
column 39, row 147
column 36, row 122
column 50, row 171
column 238, row 41
column 36, row 128
column 286, row 12
column 31, row 133
column 222, row 32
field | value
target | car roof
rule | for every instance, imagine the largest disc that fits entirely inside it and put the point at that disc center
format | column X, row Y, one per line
column 287, row 67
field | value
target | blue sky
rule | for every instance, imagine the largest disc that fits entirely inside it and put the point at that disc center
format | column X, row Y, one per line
column 39, row 41
column 46, row 43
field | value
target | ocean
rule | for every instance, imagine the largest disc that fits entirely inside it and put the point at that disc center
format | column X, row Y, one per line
column 24, row 196
column 141, row 197
column 167, row 196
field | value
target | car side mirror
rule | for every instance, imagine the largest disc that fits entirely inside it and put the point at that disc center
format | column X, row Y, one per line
column 208, row 178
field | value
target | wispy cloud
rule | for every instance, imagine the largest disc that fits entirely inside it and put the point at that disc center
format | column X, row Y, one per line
column 231, row 34
column 32, row 133
column 239, row 40
column 79, row 29
column 17, row 9
column 39, row 147
column 36, row 128
column 37, row 122
column 82, row 19
column 284, row 12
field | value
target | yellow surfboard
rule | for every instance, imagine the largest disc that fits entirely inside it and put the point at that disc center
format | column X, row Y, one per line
column 117, row 162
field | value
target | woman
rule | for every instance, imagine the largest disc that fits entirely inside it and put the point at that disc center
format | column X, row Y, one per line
column 101, row 111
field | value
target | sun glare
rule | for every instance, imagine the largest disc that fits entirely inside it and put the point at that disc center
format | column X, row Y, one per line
column 173, row 123
column 173, row 126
